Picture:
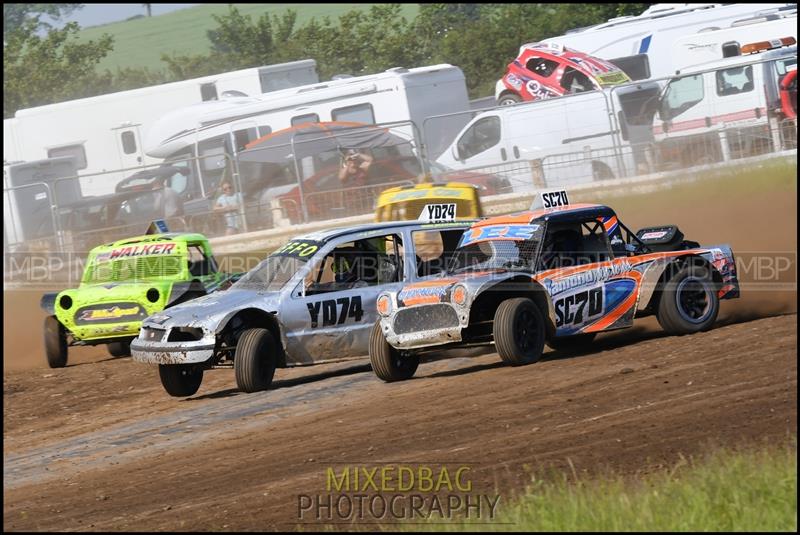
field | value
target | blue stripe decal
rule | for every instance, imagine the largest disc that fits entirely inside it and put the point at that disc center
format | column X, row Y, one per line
column 645, row 44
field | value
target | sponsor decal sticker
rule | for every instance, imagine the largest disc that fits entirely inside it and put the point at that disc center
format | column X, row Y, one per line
column 142, row 250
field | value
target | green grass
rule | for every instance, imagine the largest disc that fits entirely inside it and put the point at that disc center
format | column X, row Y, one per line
column 726, row 491
column 140, row 42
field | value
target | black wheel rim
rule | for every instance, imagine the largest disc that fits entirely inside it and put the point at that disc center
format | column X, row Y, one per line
column 525, row 330
column 694, row 300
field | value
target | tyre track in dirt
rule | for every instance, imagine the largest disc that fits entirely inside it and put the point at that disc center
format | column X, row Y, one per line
column 637, row 401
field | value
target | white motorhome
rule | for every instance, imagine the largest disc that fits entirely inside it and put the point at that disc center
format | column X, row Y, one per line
column 565, row 140
column 696, row 49
column 211, row 130
column 104, row 133
column 643, row 45
column 726, row 109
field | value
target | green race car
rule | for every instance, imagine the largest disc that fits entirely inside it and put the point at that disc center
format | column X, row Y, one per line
column 123, row 283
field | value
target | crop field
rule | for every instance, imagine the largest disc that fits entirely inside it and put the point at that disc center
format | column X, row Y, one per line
column 140, row 42
column 708, row 422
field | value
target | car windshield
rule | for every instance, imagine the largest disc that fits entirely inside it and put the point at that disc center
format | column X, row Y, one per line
column 272, row 273
column 510, row 247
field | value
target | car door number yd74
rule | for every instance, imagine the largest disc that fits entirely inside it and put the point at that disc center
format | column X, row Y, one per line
column 579, row 308
column 335, row 311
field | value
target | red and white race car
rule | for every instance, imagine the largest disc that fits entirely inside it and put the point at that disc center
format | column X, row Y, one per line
column 545, row 71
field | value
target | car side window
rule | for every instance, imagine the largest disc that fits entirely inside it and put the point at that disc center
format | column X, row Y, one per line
column 575, row 244
column 734, row 81
column 434, row 249
column 357, row 264
column 541, row 66
column 594, row 243
column 199, row 264
column 575, row 81
column 480, row 137
column 681, row 94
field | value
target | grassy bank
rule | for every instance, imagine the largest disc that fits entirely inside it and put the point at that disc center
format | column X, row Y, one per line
column 726, row 491
column 140, row 42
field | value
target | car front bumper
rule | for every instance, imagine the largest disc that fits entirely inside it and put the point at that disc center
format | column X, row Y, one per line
column 424, row 326
column 151, row 347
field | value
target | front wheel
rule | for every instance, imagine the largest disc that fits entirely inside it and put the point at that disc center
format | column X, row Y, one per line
column 689, row 302
column 180, row 380
column 519, row 331
column 387, row 362
column 119, row 349
column 55, row 342
column 255, row 360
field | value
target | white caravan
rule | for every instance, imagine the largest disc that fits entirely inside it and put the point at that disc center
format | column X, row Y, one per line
column 694, row 50
column 727, row 109
column 104, row 133
column 643, row 45
column 210, row 130
column 560, row 141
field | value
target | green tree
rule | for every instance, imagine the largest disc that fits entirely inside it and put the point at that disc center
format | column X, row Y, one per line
column 15, row 15
column 42, row 70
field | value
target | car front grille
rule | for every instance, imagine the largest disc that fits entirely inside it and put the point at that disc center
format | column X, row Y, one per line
column 425, row 317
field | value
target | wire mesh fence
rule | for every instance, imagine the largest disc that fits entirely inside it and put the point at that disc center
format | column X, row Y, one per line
column 320, row 173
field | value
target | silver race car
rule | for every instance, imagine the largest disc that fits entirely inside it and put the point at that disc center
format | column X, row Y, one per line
column 311, row 301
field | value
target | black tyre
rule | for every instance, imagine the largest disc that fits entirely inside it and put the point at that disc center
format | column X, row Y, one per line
column 387, row 362
column 55, row 342
column 689, row 302
column 509, row 99
column 571, row 343
column 519, row 331
column 119, row 349
column 180, row 380
column 255, row 360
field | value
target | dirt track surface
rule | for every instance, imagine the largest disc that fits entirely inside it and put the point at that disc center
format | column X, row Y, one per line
column 100, row 447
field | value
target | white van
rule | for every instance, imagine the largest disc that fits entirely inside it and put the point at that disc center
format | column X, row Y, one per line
column 212, row 130
column 560, row 141
column 726, row 109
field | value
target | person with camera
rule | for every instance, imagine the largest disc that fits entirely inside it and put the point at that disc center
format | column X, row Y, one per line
column 355, row 168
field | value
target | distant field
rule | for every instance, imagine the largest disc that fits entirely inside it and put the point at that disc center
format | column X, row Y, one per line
column 140, row 42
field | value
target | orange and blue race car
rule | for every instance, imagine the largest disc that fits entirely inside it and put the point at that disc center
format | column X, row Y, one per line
column 557, row 274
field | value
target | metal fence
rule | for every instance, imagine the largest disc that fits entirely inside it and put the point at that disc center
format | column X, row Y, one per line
column 290, row 180
column 704, row 117
column 296, row 177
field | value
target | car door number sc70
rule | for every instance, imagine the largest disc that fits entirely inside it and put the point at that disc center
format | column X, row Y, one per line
column 570, row 309
column 335, row 311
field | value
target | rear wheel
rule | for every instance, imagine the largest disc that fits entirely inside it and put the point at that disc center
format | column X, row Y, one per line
column 180, row 380
column 519, row 331
column 119, row 349
column 255, row 360
column 388, row 363
column 571, row 343
column 55, row 342
column 689, row 302
column 509, row 99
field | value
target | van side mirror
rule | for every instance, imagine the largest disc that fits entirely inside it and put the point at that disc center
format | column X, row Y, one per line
column 454, row 152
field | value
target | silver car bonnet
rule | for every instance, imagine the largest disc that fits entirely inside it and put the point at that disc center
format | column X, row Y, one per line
column 213, row 310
